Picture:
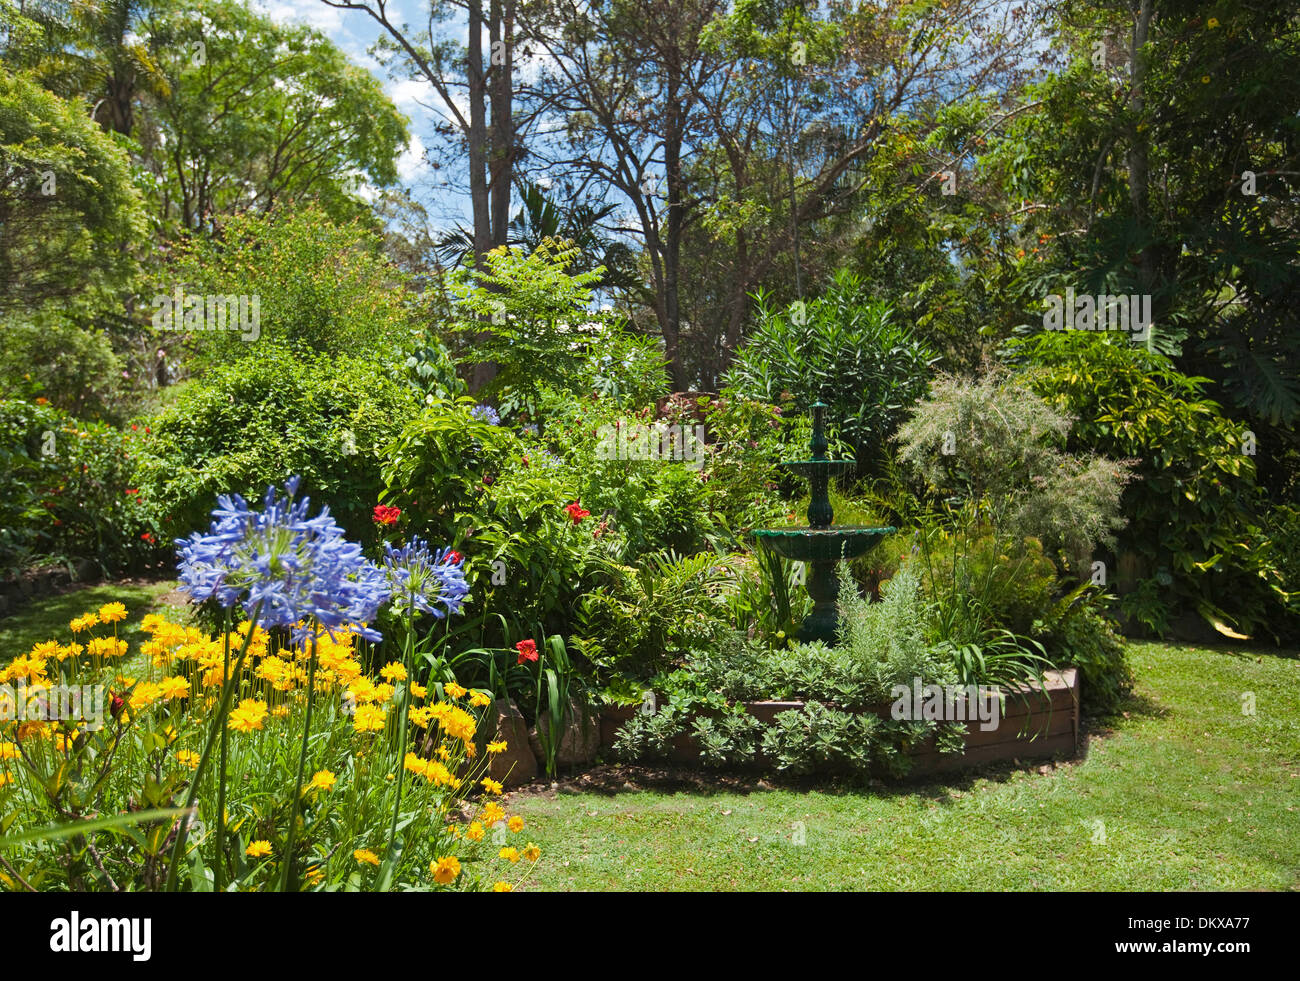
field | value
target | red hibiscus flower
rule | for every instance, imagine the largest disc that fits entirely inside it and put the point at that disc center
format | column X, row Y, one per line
column 527, row 651
column 385, row 515
column 577, row 512
column 146, row 536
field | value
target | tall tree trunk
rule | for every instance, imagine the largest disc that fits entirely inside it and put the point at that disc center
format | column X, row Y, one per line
column 478, row 161
column 501, row 32
column 477, row 135
column 1138, row 171
column 672, row 251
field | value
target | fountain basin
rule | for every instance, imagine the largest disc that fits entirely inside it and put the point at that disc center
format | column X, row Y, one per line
column 821, row 544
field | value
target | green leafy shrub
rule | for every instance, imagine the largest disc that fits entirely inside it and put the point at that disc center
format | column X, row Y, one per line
column 841, row 349
column 322, row 288
column 1087, row 640
column 994, row 442
column 888, row 638
column 251, row 424
column 652, row 615
column 461, row 479
column 525, row 313
column 643, row 506
column 67, row 492
column 748, row 438
column 1194, row 525
column 72, row 366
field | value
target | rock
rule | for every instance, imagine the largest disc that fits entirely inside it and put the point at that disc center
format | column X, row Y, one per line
column 517, row 765
column 579, row 738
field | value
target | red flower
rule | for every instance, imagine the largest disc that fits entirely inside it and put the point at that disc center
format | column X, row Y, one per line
column 527, row 651
column 577, row 512
column 454, row 557
column 146, row 536
column 385, row 515
column 133, row 490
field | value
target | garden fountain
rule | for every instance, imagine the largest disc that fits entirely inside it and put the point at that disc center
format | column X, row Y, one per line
column 821, row 544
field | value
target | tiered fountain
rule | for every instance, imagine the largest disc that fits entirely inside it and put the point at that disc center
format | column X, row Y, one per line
column 821, row 544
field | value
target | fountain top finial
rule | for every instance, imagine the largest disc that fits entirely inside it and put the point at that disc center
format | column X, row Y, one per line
column 818, row 444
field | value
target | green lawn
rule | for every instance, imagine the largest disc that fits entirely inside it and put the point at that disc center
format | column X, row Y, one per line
column 1186, row 792
column 47, row 618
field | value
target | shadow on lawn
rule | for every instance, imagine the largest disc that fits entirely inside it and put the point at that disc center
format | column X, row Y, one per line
column 612, row 780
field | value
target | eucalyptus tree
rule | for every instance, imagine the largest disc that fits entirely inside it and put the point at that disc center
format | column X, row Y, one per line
column 736, row 128
column 474, row 91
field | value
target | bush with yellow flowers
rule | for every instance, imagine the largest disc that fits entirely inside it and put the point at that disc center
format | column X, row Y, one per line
column 262, row 757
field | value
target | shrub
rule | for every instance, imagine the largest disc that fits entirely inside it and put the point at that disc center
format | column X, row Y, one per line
column 251, row 424
column 1193, row 518
column 67, row 491
column 841, row 349
column 525, row 313
column 749, row 437
column 651, row 616
column 460, row 478
column 322, row 288
column 1088, row 641
column 994, row 442
column 74, row 367
column 887, row 639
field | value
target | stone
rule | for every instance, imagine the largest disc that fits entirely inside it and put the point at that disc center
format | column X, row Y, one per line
column 517, row 765
column 579, row 737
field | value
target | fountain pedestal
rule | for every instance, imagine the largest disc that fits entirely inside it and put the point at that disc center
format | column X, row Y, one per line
column 821, row 544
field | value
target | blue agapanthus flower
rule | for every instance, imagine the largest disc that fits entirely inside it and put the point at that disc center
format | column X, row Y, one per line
column 298, row 568
column 424, row 579
column 485, row 413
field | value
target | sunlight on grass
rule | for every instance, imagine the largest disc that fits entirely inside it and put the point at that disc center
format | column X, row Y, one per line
column 47, row 618
column 1184, row 792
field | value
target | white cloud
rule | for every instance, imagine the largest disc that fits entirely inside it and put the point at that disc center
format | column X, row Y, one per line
column 326, row 19
column 411, row 163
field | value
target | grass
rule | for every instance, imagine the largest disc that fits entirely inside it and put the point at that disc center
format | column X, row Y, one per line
column 1185, row 791
column 47, row 618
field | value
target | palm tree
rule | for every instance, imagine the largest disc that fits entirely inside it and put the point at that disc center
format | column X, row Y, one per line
column 540, row 218
column 91, row 49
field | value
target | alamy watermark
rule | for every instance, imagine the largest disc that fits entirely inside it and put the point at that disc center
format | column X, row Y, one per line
column 209, row 311
column 1105, row 311
column 946, row 703
column 684, row 444
column 51, row 703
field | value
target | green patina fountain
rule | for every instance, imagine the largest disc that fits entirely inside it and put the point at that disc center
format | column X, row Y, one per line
column 821, row 544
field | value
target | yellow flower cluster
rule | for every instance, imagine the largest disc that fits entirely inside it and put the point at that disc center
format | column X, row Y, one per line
column 176, row 684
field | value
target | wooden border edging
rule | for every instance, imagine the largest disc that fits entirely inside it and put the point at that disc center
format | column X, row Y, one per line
column 1035, row 724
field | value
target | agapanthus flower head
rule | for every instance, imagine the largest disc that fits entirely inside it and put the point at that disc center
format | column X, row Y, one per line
column 299, row 568
column 431, row 581
column 485, row 413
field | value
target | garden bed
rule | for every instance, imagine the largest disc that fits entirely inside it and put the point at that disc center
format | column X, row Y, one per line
column 1038, row 722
